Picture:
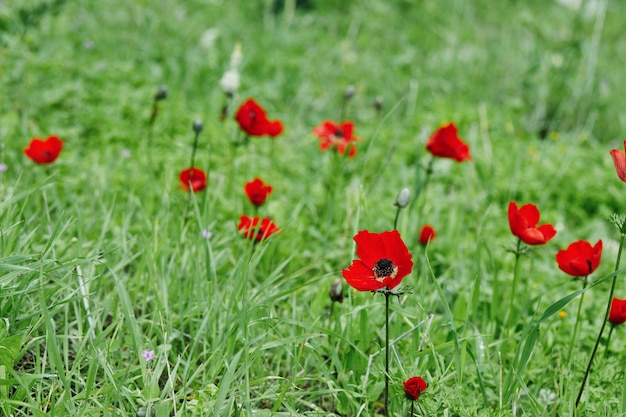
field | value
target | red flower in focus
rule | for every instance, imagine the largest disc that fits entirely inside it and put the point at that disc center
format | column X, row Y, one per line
column 384, row 261
column 257, row 228
column 192, row 179
column 257, row 191
column 619, row 159
column 617, row 315
column 339, row 135
column 523, row 223
column 427, row 234
column 44, row 151
column 253, row 120
column 413, row 387
column 446, row 143
column 580, row 259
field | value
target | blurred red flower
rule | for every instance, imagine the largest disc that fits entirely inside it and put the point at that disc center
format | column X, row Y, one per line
column 446, row 143
column 580, row 259
column 257, row 191
column 427, row 234
column 617, row 315
column 257, row 228
column 339, row 135
column 413, row 387
column 384, row 261
column 619, row 159
column 44, row 151
column 253, row 120
column 192, row 179
column 523, row 223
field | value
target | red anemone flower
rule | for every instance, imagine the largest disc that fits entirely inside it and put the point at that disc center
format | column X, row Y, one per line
column 384, row 261
column 257, row 191
column 619, row 159
column 192, row 179
column 253, row 120
column 427, row 234
column 580, row 259
column 339, row 135
column 413, row 387
column 617, row 315
column 523, row 223
column 44, row 151
column 257, row 228
column 446, row 143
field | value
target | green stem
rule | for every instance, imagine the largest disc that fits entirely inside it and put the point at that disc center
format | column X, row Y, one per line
column 395, row 221
column 606, row 316
column 387, row 354
column 412, row 408
column 577, row 323
column 515, row 283
column 608, row 340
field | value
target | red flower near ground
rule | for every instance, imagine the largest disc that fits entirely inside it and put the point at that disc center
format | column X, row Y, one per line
column 523, row 223
column 384, row 261
column 413, row 387
column 619, row 159
column 446, row 143
column 257, row 228
column 44, row 151
column 427, row 234
column 338, row 135
column 192, row 179
column 617, row 315
column 580, row 259
column 253, row 120
column 257, row 191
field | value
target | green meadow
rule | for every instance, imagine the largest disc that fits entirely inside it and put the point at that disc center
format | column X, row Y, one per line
column 104, row 258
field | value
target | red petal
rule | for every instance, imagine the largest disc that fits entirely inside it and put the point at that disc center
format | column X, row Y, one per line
column 530, row 213
column 619, row 159
column 360, row 277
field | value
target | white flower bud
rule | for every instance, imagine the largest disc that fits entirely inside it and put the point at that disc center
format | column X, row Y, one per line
column 403, row 198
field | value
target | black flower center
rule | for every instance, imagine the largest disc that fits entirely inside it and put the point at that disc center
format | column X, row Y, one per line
column 385, row 268
column 338, row 133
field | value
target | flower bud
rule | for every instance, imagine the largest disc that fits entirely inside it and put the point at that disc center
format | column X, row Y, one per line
column 336, row 291
column 349, row 93
column 378, row 104
column 161, row 94
column 403, row 198
column 197, row 126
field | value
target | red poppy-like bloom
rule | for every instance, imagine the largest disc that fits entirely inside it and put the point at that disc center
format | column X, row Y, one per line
column 257, row 191
column 339, row 135
column 427, row 234
column 44, row 151
column 413, row 387
column 192, row 179
column 384, row 261
column 446, row 143
column 257, row 228
column 617, row 315
column 619, row 159
column 253, row 120
column 580, row 259
column 523, row 223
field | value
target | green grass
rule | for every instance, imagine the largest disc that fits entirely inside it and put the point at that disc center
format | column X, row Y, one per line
column 101, row 257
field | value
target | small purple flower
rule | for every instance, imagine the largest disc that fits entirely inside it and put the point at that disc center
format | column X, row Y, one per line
column 148, row 355
column 3, row 167
column 206, row 234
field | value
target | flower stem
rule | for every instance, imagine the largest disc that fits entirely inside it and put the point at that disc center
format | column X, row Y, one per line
column 515, row 283
column 395, row 221
column 608, row 340
column 387, row 354
column 577, row 323
column 412, row 408
column 606, row 316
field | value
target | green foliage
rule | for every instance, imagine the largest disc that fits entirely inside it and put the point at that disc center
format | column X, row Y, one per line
column 102, row 256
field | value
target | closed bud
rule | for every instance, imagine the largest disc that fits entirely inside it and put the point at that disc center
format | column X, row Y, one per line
column 197, row 126
column 378, row 104
column 349, row 93
column 161, row 94
column 336, row 291
column 403, row 198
